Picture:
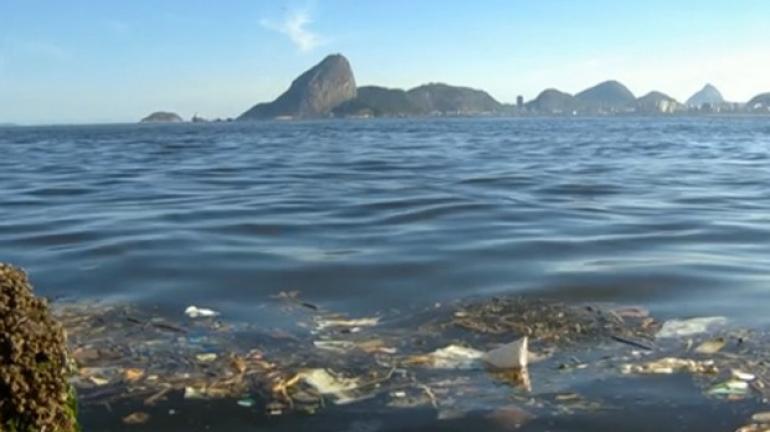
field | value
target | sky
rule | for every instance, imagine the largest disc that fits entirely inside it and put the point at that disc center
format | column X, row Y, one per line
column 83, row 61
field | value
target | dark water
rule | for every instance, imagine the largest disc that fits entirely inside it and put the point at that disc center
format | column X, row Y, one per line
column 673, row 214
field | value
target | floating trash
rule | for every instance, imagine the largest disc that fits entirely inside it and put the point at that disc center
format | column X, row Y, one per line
column 326, row 323
column 743, row 376
column 129, row 355
column 711, row 346
column 343, row 390
column 206, row 357
column 754, row 428
column 133, row 374
column 339, row 346
column 761, row 417
column 246, row 403
column 690, row 327
column 195, row 312
column 730, row 388
column 509, row 356
column 449, row 357
column 670, row 365
column 136, row 418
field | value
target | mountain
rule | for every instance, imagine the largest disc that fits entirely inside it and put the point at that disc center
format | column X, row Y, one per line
column 607, row 97
column 759, row 103
column 313, row 94
column 552, row 101
column 445, row 99
column 709, row 95
column 658, row 103
column 428, row 99
column 379, row 102
column 162, row 117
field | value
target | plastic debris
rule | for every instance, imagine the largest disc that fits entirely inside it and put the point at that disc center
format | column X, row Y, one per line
column 690, row 327
column 206, row 358
column 631, row 312
column 743, row 376
column 761, row 417
column 375, row 346
column 133, row 374
column 328, row 384
column 195, row 312
column 509, row 356
column 754, row 428
column 670, row 365
column 274, row 409
column 339, row 346
column 325, row 323
column 246, row 403
column 711, row 346
column 123, row 347
column 636, row 343
column 193, row 393
column 136, row 418
column 730, row 388
column 98, row 381
column 450, row 357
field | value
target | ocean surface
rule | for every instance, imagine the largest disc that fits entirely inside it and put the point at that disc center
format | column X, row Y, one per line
column 363, row 215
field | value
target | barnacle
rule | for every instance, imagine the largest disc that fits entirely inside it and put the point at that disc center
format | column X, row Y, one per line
column 34, row 392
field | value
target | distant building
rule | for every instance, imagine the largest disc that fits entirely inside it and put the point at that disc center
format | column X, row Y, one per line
column 520, row 102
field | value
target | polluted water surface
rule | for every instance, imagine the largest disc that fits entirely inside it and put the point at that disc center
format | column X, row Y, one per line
column 511, row 363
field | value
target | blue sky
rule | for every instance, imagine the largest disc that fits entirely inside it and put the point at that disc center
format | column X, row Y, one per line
column 86, row 61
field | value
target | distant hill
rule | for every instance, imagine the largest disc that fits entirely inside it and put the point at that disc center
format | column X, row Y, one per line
column 428, row 99
column 446, row 99
column 162, row 117
column 658, row 103
column 552, row 101
column 313, row 94
column 759, row 103
column 379, row 102
column 709, row 95
column 607, row 97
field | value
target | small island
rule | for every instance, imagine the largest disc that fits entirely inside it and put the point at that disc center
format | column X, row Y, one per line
column 162, row 117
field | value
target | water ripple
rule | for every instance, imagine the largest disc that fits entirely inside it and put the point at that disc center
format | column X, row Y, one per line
column 674, row 213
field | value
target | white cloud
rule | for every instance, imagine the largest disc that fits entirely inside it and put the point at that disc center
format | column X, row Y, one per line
column 295, row 26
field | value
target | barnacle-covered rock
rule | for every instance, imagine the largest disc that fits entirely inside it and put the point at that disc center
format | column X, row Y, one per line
column 34, row 392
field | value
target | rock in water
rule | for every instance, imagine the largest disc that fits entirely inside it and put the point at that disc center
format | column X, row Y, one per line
column 34, row 392
column 162, row 117
column 313, row 94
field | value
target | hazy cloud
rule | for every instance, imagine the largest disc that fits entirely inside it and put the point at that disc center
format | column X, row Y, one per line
column 295, row 26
